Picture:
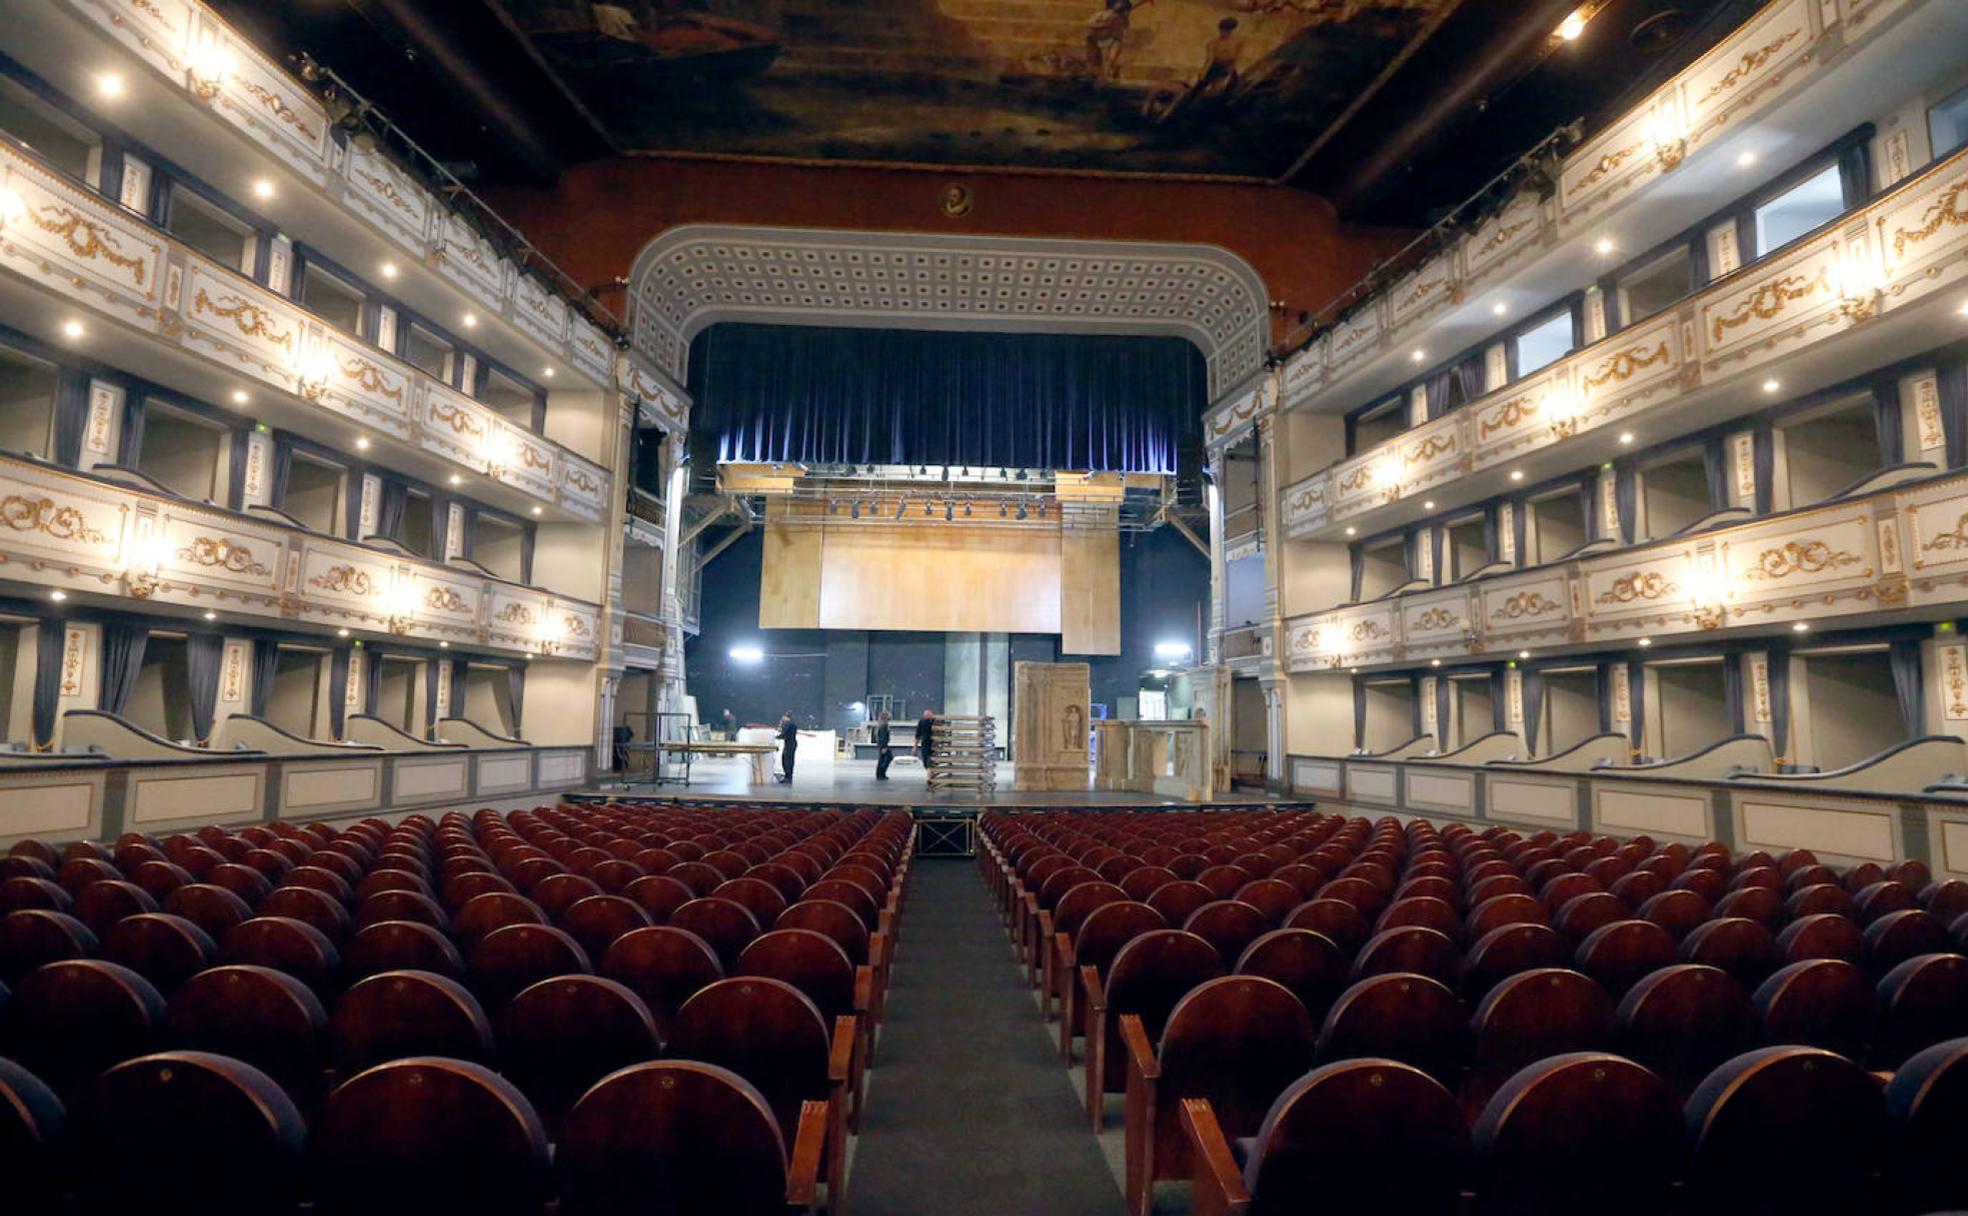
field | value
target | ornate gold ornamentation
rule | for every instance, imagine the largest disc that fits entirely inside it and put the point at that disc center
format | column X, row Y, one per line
column 458, row 419
column 1750, row 61
column 44, row 515
column 1944, row 212
column 1504, row 233
column 275, row 106
column 1358, row 479
column 1798, row 557
column 579, row 479
column 140, row 583
column 1709, row 616
column 387, row 189
column 532, row 459
column 1890, row 591
column 1769, row 300
column 147, row 7
column 1435, row 618
column 1640, row 585
column 1367, row 631
column 1429, row 448
column 250, row 319
column 215, row 551
column 1956, row 538
column 370, row 378
column 1523, row 604
column 344, row 580
column 445, row 599
column 1421, row 291
column 1609, row 162
column 515, row 613
column 84, row 239
column 1508, row 415
column 1625, row 363
column 576, row 627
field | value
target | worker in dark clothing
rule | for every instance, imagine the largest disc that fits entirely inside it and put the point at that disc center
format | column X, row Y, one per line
column 883, row 752
column 788, row 744
column 925, row 726
column 728, row 723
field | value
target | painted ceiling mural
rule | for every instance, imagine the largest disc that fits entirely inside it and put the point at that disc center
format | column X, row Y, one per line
column 1212, row 87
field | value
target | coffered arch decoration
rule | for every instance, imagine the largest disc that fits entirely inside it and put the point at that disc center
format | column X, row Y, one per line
column 696, row 275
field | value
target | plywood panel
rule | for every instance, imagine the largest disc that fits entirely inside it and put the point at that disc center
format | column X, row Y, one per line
column 789, row 578
column 989, row 580
column 1090, row 592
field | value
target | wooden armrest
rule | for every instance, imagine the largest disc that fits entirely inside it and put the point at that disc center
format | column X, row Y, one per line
column 1218, row 1185
column 1096, row 998
column 864, row 989
column 1141, row 1053
column 1064, row 946
column 809, row 1147
column 841, row 1059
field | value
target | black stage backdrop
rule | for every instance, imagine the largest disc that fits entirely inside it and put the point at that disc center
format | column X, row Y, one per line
column 890, row 396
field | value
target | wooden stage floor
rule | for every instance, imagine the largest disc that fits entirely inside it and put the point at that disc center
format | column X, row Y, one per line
column 853, row 781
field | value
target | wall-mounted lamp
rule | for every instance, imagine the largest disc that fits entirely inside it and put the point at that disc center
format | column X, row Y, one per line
column 1856, row 280
column 207, row 68
column 12, row 207
column 317, row 368
column 1666, row 135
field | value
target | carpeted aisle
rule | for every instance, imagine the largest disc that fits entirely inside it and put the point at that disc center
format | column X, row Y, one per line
column 970, row 1110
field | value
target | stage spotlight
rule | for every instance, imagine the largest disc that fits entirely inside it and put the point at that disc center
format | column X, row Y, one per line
column 747, row 654
column 1172, row 650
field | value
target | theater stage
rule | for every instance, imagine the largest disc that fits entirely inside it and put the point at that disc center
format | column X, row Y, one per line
column 853, row 781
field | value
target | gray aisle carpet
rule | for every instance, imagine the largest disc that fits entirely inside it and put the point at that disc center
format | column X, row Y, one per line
column 969, row 1110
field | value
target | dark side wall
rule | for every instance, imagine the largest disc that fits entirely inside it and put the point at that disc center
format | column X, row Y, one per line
column 817, row 673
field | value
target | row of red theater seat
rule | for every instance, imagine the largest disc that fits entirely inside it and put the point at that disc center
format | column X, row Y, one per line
column 1352, row 956
column 559, row 1028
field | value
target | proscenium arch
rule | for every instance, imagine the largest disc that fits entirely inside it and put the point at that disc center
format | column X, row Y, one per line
column 696, row 275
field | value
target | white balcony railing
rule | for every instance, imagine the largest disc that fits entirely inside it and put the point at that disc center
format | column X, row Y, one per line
column 81, row 534
column 68, row 240
column 1904, row 548
column 1892, row 255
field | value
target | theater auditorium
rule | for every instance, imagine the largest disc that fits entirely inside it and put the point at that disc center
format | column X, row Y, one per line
column 984, row 607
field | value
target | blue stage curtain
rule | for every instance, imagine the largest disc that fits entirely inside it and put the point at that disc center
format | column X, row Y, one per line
column 430, row 697
column 1911, row 687
column 1715, row 468
column 1520, row 533
column 122, row 657
column 1359, row 713
column 203, row 653
column 1732, row 693
column 1886, row 421
column 1763, row 457
column 1442, row 708
column 516, row 686
column 1626, row 499
column 129, row 445
column 71, row 416
column 1358, row 556
column 1779, row 663
column 1414, row 701
column 391, row 504
column 338, row 676
column 1636, row 695
column 372, row 681
column 1602, row 678
column 1952, row 385
column 280, row 473
column 1533, row 710
column 1499, row 700
column 885, row 396
column 47, row 679
column 266, row 661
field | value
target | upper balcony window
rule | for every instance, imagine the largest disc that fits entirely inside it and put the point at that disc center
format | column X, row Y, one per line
column 27, row 405
column 1947, row 124
column 1544, row 343
column 211, row 230
column 331, row 299
column 511, row 400
column 1657, row 285
column 425, row 350
column 50, row 134
column 1808, row 205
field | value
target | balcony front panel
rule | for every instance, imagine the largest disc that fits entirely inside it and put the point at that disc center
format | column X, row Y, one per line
column 61, row 530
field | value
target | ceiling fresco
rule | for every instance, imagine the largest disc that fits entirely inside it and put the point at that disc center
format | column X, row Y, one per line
column 1229, row 88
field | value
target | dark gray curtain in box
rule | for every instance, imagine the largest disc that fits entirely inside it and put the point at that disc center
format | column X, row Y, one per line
column 1715, row 470
column 1358, row 556
column 236, row 453
column 458, row 669
column 1779, row 665
column 1443, row 391
column 1887, row 423
column 1603, row 683
column 203, row 653
column 122, row 657
column 47, row 679
column 1469, row 377
column 1492, row 536
column 467, row 532
column 430, row 697
column 1910, row 685
column 516, row 684
column 266, row 662
column 1533, row 710
column 1359, row 713
column 280, row 473
column 898, row 396
column 1520, row 533
column 129, row 445
column 1589, row 507
column 1626, row 499
column 372, row 681
column 1500, row 699
column 1732, row 693
column 527, row 539
column 71, row 416
column 1443, row 704
column 1438, row 537
column 1414, row 703
column 1952, row 382
column 1763, row 459
column 440, row 509
column 338, row 678
column 390, row 505
column 1636, row 697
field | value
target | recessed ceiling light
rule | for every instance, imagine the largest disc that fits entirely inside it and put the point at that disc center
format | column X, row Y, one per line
column 1523, row 654
column 1499, row 308
column 389, row 270
column 71, row 329
column 1964, row 309
column 239, row 396
column 457, row 479
column 1516, row 474
column 58, row 596
column 539, row 510
column 341, row 633
column 1771, row 386
column 444, row 645
column 471, row 320
column 1417, row 354
column 1646, row 642
column 1603, row 246
column 1428, row 505
column 1351, row 531
column 1745, row 160
column 211, row 616
column 1801, row 627
column 1572, row 26
column 362, row 443
column 1434, row 662
column 109, row 84
column 546, row 373
column 1626, row 436
column 263, row 188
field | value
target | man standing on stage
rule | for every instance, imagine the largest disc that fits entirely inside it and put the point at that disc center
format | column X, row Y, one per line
column 924, row 728
column 728, row 723
column 789, row 744
column 883, row 752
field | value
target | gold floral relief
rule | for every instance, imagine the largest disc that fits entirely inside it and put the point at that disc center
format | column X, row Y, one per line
column 1523, row 604
column 1503, row 234
column 1954, row 538
column 1358, row 479
column 579, row 479
column 249, row 318
column 1750, row 61
column 222, row 554
column 1430, row 448
column 531, row 458
column 1368, row 631
column 445, row 599
column 1421, row 292
column 278, row 108
column 458, row 419
column 1769, row 300
column 1944, row 212
column 1508, row 415
column 1621, row 367
column 515, row 613
column 344, row 580
column 1642, row 585
column 44, row 515
column 1608, row 163
column 370, row 378
column 387, row 189
column 576, row 626
column 1435, row 618
column 1798, row 557
column 85, row 239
